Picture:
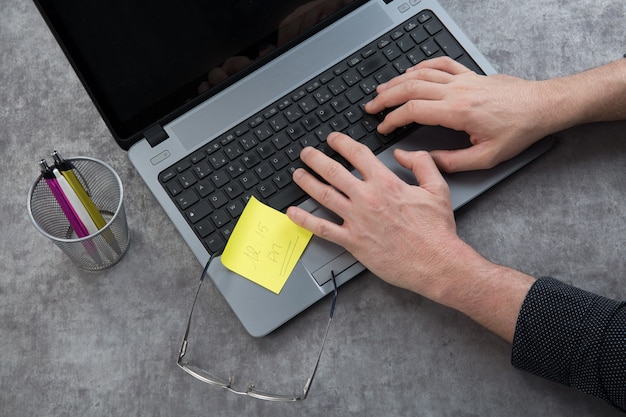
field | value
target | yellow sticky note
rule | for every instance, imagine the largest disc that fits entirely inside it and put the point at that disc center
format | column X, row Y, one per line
column 265, row 246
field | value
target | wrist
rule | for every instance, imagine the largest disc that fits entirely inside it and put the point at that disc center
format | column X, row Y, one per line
column 488, row 293
column 595, row 95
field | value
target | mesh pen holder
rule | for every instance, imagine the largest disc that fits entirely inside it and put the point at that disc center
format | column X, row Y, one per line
column 99, row 250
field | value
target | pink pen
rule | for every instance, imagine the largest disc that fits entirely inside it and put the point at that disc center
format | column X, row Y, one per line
column 68, row 210
column 70, row 213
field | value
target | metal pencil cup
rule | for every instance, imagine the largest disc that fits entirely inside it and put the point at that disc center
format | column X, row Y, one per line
column 99, row 250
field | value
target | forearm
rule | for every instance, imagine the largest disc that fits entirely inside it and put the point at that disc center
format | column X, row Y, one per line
column 490, row 294
column 595, row 95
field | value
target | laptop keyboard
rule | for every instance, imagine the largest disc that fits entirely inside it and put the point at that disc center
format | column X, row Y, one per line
column 257, row 158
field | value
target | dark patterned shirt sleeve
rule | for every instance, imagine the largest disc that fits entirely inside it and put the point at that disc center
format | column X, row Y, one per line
column 573, row 337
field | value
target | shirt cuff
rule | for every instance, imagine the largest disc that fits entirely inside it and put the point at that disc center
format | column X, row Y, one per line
column 573, row 337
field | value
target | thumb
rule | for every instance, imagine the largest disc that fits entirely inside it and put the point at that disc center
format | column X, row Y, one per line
column 467, row 159
column 423, row 167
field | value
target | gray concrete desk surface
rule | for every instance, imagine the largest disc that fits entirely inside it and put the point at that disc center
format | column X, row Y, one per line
column 80, row 344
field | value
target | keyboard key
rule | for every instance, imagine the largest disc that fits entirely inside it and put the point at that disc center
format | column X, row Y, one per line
column 351, row 78
column 187, row 179
column 279, row 161
column 220, row 218
column 218, row 199
column 233, row 190
column 278, row 123
column 235, row 208
column 324, row 113
column 250, row 160
column 340, row 104
column 308, row 104
column 293, row 114
column 354, row 95
column 204, row 188
column 310, row 122
column 449, row 45
column 198, row 212
column 214, row 243
column 263, row 132
column 433, row 27
column 197, row 157
column 419, row 35
column 202, row 169
column 233, row 151
column 290, row 195
column 220, row 179
column 174, row 188
column 265, row 151
column 264, row 170
column 187, row 199
column 248, row 180
column 296, row 131
column 337, row 87
column 204, row 228
column 429, row 47
column 218, row 160
column 266, row 189
column 282, row 179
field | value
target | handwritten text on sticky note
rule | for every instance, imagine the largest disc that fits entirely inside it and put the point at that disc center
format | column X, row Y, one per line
column 265, row 246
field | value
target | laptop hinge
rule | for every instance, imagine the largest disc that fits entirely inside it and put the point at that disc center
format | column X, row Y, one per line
column 155, row 134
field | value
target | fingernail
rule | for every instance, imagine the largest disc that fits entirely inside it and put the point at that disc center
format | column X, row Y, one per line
column 304, row 152
column 297, row 174
column 332, row 136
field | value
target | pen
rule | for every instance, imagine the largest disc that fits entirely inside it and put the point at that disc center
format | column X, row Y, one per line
column 57, row 191
column 66, row 168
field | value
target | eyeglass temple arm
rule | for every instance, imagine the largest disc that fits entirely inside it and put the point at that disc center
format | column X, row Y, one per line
column 309, row 381
column 183, row 348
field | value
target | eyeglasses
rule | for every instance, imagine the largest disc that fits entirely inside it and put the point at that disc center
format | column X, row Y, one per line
column 252, row 391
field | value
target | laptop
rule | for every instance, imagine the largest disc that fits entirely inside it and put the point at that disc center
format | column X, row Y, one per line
column 214, row 100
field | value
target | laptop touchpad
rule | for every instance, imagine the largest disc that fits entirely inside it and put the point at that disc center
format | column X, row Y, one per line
column 321, row 256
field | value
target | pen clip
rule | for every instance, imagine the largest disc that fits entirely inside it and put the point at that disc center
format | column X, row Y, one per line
column 60, row 163
column 46, row 171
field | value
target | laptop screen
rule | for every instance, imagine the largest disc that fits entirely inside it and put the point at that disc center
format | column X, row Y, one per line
column 141, row 61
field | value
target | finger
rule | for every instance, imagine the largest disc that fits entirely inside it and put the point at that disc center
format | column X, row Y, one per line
column 330, row 170
column 325, row 194
column 359, row 156
column 422, row 74
column 424, row 169
column 217, row 75
column 467, row 159
column 424, row 112
column 409, row 89
column 235, row 63
column 320, row 227
column 445, row 64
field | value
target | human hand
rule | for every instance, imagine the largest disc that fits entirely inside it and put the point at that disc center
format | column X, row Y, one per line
column 503, row 115
column 218, row 74
column 305, row 17
column 404, row 234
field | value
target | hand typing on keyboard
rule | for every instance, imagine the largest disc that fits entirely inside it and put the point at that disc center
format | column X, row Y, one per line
column 502, row 114
column 406, row 234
